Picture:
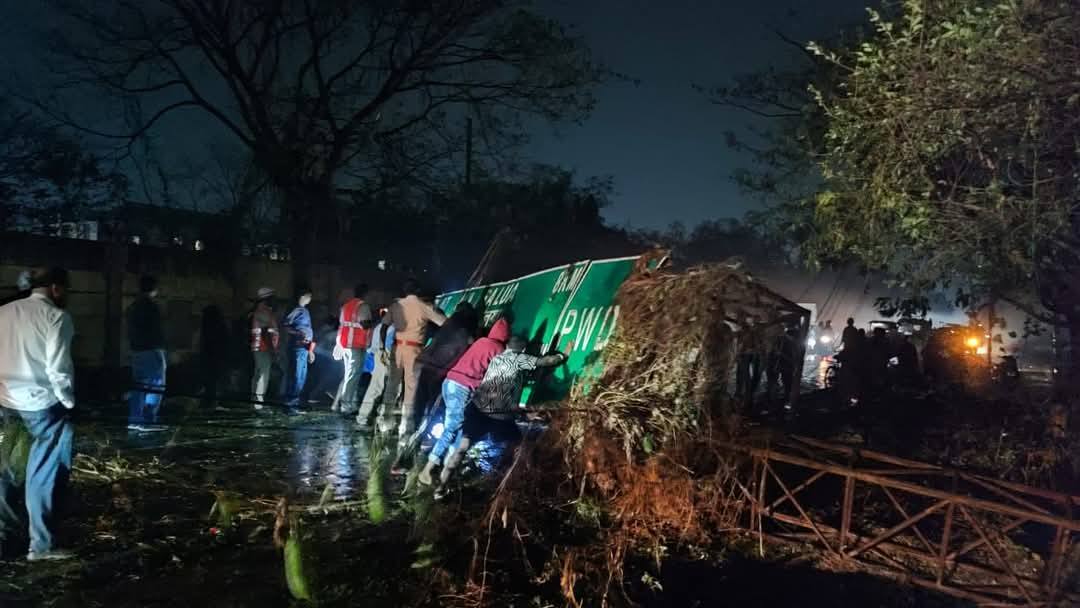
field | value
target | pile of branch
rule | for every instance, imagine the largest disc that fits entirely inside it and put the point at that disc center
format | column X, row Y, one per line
column 635, row 462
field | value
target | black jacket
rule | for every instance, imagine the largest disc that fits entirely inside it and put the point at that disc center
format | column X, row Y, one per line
column 144, row 325
column 449, row 343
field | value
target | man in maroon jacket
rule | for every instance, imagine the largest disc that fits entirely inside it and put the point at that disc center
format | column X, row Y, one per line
column 457, row 389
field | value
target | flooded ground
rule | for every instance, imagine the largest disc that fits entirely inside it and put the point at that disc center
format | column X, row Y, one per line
column 140, row 515
column 144, row 524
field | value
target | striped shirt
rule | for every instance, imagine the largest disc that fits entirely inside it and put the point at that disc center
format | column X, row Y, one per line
column 500, row 390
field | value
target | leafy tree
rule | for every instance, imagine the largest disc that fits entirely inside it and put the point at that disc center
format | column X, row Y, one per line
column 951, row 155
column 325, row 94
column 47, row 177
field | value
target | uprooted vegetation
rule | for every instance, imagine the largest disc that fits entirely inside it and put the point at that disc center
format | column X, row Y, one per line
column 634, row 463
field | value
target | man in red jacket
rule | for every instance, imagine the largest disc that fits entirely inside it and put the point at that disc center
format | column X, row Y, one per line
column 457, row 389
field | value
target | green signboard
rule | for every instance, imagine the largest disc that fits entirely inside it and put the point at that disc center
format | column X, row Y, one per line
column 551, row 309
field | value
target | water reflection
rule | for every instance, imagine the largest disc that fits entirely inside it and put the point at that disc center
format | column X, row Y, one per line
column 330, row 453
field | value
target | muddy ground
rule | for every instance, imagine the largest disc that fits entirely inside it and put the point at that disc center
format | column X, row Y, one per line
column 140, row 519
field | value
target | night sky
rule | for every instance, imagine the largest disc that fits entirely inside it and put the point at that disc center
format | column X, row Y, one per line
column 661, row 140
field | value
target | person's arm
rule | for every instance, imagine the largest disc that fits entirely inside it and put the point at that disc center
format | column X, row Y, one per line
column 388, row 343
column 58, row 364
column 556, row 359
column 342, row 321
column 365, row 316
column 255, row 332
column 308, row 332
column 432, row 314
column 275, row 335
column 397, row 316
column 158, row 327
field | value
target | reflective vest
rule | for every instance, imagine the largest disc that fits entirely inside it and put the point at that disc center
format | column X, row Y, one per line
column 264, row 330
column 351, row 333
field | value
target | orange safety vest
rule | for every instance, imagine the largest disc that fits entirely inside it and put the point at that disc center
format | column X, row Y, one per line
column 350, row 333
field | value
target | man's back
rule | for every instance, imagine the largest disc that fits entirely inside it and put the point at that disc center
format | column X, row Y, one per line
column 36, row 370
column 144, row 325
column 410, row 315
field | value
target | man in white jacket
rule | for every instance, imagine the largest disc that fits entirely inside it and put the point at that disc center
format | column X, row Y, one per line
column 36, row 387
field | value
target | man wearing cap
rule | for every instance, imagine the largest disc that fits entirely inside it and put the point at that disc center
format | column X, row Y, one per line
column 265, row 340
column 37, row 386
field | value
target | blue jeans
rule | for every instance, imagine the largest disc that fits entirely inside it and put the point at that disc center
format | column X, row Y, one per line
column 455, row 398
column 298, row 366
column 148, row 373
column 48, row 468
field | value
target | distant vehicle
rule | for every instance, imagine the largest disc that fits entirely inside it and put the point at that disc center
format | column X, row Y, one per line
column 956, row 354
column 915, row 327
column 891, row 327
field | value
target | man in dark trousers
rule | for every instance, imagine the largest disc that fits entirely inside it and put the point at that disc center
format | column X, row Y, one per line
column 146, row 338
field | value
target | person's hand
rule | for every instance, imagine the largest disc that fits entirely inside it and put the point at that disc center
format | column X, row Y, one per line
column 339, row 352
column 311, row 356
column 569, row 348
column 384, row 356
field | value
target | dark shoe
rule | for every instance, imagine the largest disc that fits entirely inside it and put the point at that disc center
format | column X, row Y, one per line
column 49, row 556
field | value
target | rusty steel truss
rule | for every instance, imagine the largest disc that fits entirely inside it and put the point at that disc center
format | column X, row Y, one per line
column 981, row 539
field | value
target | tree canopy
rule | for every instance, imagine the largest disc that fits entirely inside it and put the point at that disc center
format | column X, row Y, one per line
column 950, row 155
column 322, row 93
column 47, row 177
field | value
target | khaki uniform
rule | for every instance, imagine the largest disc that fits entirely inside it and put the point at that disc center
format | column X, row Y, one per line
column 410, row 315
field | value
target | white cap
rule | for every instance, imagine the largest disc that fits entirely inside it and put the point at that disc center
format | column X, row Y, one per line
column 263, row 293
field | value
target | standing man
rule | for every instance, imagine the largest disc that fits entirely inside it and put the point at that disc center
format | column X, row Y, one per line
column 147, row 342
column 749, row 364
column 382, row 346
column 851, row 335
column 410, row 316
column 37, row 387
column 301, row 352
column 265, row 341
column 352, row 341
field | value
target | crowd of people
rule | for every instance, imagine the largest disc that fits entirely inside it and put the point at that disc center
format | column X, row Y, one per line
column 406, row 359
column 864, row 370
column 866, row 365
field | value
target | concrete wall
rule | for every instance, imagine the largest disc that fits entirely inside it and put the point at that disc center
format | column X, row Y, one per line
column 105, row 279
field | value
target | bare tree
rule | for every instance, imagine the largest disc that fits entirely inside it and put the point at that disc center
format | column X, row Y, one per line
column 321, row 90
